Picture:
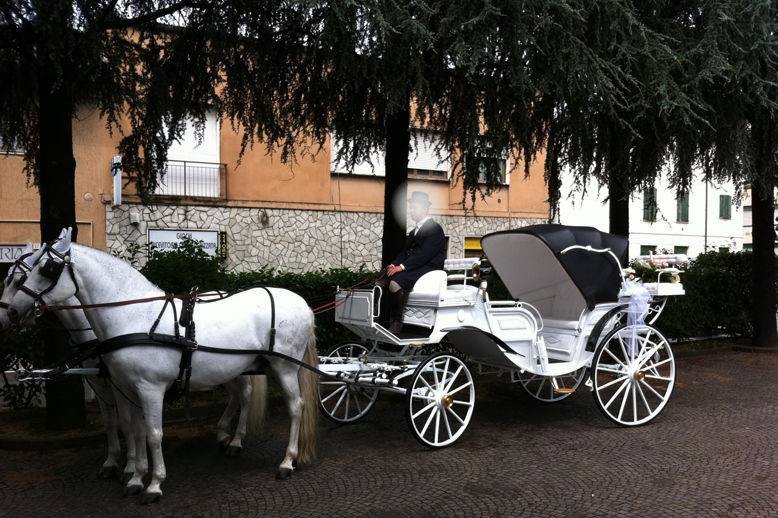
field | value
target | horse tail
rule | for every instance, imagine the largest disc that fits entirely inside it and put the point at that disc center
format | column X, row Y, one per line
column 257, row 405
column 309, row 389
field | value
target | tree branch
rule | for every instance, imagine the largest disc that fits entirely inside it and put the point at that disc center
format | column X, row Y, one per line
column 126, row 23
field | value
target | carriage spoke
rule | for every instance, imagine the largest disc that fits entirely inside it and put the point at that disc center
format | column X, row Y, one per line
column 657, row 364
column 627, row 357
column 456, row 416
column 634, row 403
column 618, row 391
column 348, row 399
column 652, row 390
column 644, row 358
column 540, row 387
column 463, row 403
column 464, row 385
column 437, row 425
column 621, row 378
column 340, row 400
column 624, row 400
column 424, row 397
column 607, row 350
column 429, row 420
column 448, row 425
column 645, row 401
column 417, row 414
column 662, row 378
column 452, row 379
column 336, row 391
column 602, row 368
column 356, row 400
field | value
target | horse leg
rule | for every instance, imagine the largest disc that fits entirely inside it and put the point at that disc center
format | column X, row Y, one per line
column 242, row 393
column 126, row 423
column 286, row 375
column 152, row 396
column 135, row 483
column 223, row 436
column 105, row 401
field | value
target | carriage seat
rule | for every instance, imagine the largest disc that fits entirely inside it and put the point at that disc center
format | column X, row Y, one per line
column 428, row 288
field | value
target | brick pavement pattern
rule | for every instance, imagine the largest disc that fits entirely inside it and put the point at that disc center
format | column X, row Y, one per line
column 712, row 452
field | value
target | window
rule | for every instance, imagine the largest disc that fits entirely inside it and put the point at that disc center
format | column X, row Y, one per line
column 491, row 166
column 682, row 250
column 473, row 247
column 748, row 247
column 193, row 167
column 723, row 249
column 649, row 205
column 682, row 208
column 424, row 161
column 725, row 206
column 647, row 249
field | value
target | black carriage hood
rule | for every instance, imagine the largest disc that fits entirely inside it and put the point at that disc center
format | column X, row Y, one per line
column 521, row 257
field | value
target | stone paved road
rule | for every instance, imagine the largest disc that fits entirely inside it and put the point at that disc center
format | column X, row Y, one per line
column 712, row 453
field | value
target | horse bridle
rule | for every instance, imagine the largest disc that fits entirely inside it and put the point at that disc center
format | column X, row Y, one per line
column 25, row 268
column 52, row 270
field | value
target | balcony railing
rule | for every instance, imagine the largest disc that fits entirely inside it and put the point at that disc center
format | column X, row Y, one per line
column 193, row 179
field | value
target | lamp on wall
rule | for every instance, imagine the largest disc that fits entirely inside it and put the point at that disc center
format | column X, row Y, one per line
column 264, row 219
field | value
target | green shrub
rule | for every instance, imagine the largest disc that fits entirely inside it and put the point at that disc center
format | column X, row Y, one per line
column 717, row 300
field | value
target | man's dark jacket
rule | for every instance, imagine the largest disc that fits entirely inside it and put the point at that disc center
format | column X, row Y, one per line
column 424, row 251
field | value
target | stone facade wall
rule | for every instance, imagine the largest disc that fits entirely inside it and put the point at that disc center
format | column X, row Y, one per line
column 287, row 239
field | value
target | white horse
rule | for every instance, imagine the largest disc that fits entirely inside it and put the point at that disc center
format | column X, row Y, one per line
column 241, row 321
column 112, row 409
column 112, row 401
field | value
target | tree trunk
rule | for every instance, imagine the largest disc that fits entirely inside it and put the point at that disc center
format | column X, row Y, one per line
column 56, row 184
column 763, row 266
column 398, row 136
column 618, row 206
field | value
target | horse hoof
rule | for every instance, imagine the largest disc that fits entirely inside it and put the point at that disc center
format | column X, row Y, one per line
column 133, row 490
column 294, row 463
column 126, row 476
column 233, row 451
column 108, row 472
column 283, row 473
column 225, row 443
column 150, row 498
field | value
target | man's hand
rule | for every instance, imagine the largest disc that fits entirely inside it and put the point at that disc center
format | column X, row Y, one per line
column 392, row 269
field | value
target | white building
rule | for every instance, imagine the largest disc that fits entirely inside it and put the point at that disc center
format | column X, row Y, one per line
column 661, row 222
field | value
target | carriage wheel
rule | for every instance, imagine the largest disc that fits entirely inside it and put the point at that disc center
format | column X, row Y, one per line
column 341, row 402
column 440, row 400
column 631, row 385
column 550, row 389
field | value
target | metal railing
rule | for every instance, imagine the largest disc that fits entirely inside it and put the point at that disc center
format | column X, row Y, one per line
column 193, row 179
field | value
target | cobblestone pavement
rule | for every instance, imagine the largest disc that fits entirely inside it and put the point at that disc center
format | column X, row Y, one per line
column 711, row 453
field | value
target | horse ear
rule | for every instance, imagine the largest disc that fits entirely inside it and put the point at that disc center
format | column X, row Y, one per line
column 63, row 244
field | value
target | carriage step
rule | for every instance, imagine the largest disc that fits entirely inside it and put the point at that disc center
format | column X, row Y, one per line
column 564, row 390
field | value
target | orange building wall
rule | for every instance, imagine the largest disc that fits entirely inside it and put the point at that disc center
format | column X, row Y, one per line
column 19, row 203
column 257, row 180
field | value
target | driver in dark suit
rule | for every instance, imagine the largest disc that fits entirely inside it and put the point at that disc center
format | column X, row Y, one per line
column 425, row 251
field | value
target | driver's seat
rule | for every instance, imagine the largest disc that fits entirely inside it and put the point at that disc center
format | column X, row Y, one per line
column 424, row 298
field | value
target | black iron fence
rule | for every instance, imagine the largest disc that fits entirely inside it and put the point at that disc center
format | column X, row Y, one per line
column 193, row 179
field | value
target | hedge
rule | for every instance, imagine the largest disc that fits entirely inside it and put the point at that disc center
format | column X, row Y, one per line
column 717, row 299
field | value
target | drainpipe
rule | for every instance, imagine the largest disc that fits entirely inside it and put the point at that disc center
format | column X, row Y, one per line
column 705, row 246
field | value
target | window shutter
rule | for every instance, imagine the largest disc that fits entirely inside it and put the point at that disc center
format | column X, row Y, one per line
column 725, row 206
column 682, row 213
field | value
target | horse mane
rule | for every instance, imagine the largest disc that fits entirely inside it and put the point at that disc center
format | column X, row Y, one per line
column 114, row 262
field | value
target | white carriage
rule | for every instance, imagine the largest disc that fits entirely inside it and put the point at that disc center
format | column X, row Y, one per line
column 567, row 323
